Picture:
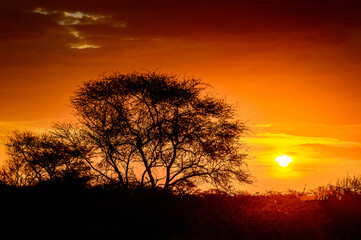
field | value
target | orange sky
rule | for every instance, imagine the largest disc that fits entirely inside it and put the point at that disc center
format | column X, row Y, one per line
column 292, row 67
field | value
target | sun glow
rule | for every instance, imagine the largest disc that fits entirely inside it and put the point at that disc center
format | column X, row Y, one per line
column 283, row 160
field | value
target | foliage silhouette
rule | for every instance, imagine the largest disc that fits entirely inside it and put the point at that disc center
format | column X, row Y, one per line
column 156, row 130
column 35, row 158
column 60, row 210
column 348, row 185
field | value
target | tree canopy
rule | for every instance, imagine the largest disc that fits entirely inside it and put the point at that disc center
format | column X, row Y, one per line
column 151, row 130
column 35, row 158
column 154, row 129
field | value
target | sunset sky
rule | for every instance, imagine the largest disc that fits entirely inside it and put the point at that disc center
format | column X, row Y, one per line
column 292, row 69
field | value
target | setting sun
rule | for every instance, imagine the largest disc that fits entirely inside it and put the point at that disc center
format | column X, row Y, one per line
column 283, row 160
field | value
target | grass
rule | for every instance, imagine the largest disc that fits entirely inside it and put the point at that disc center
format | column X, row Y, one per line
column 53, row 211
column 349, row 185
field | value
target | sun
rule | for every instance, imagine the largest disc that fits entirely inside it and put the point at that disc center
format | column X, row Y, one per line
column 283, row 160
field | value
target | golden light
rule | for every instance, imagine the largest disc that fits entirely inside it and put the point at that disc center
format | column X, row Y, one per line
column 283, row 160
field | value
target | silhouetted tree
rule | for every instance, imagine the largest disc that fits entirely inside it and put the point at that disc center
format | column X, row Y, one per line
column 72, row 135
column 36, row 158
column 155, row 130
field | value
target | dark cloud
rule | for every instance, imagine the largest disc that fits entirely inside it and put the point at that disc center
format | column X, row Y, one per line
column 201, row 19
column 231, row 26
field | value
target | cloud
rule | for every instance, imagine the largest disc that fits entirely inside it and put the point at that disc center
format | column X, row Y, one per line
column 317, row 20
column 261, row 126
column 345, row 152
column 75, row 33
column 82, row 46
column 260, row 20
column 286, row 139
column 43, row 11
column 66, row 18
column 345, row 132
column 69, row 20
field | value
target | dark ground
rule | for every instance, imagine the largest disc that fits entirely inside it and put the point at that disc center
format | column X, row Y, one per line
column 63, row 211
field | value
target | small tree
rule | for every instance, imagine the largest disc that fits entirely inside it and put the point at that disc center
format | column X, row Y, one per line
column 153, row 129
column 45, row 157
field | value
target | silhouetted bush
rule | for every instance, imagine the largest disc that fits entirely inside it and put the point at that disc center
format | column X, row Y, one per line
column 53, row 210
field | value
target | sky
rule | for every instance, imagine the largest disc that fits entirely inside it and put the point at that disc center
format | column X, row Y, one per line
column 291, row 68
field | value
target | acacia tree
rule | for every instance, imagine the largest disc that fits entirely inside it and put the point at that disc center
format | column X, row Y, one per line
column 156, row 130
column 35, row 158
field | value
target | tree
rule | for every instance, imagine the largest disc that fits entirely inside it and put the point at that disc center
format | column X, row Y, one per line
column 156, row 130
column 35, row 158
